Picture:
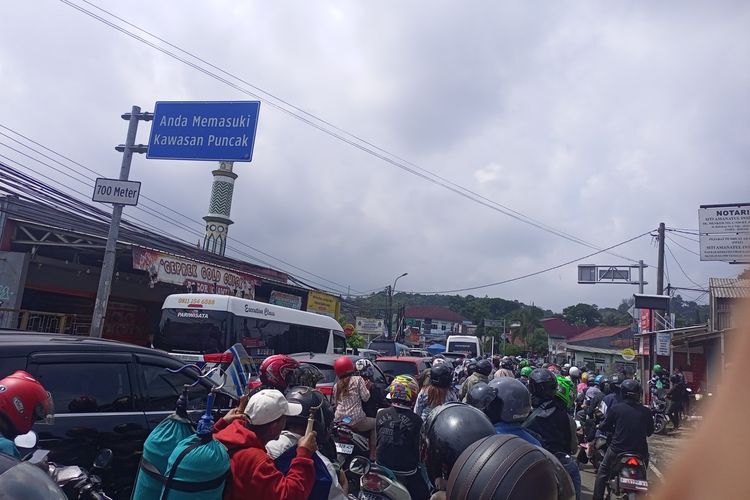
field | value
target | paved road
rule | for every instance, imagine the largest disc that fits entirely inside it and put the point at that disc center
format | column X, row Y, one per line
column 663, row 449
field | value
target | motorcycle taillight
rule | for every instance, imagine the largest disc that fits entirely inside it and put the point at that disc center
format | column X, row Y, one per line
column 374, row 483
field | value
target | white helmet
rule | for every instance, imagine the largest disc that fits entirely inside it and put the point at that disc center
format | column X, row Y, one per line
column 566, row 365
column 362, row 365
column 438, row 361
column 574, row 372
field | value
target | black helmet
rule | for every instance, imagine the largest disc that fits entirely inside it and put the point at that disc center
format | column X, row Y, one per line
column 484, row 367
column 614, row 382
column 604, row 384
column 631, row 389
column 471, row 367
column 441, row 375
column 542, row 384
column 504, row 466
column 481, row 396
column 504, row 399
column 310, row 398
column 448, row 431
column 506, row 363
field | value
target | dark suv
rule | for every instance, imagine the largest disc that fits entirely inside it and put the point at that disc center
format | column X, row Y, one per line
column 107, row 394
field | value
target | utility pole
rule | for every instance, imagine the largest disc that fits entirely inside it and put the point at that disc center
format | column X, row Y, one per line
column 659, row 291
column 108, row 265
column 389, row 310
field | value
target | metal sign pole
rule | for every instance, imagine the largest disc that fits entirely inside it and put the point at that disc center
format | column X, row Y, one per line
column 108, row 265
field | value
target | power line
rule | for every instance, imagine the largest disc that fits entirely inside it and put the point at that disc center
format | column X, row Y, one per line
column 683, row 247
column 332, row 130
column 144, row 207
column 536, row 273
column 680, row 265
column 688, row 238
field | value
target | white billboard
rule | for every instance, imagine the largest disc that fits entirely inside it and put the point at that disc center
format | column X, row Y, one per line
column 725, row 232
column 370, row 326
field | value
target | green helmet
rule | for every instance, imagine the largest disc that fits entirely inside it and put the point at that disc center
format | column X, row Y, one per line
column 565, row 391
column 526, row 371
column 657, row 368
column 524, row 363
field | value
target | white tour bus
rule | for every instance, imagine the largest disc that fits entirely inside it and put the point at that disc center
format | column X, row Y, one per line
column 201, row 327
column 468, row 344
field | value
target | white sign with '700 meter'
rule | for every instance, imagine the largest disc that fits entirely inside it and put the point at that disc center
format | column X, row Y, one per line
column 116, row 191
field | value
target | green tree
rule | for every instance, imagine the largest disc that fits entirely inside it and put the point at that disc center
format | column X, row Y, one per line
column 355, row 341
column 582, row 314
column 537, row 342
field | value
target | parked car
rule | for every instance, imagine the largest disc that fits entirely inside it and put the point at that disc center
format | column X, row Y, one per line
column 386, row 347
column 107, row 394
column 403, row 365
column 324, row 363
column 363, row 353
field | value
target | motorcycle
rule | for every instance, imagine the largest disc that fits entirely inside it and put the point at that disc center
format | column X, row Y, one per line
column 349, row 445
column 659, row 414
column 76, row 482
column 377, row 482
column 628, row 478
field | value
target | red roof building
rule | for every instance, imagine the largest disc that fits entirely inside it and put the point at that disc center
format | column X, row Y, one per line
column 559, row 328
column 604, row 336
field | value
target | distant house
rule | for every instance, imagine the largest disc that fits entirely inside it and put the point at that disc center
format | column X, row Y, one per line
column 601, row 348
column 726, row 294
column 434, row 321
column 558, row 332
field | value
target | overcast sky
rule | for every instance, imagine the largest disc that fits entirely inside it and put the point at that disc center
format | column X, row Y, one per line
column 600, row 119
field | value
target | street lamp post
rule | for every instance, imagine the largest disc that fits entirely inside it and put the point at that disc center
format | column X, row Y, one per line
column 390, row 305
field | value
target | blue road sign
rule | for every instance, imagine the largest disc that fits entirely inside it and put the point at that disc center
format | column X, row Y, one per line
column 203, row 130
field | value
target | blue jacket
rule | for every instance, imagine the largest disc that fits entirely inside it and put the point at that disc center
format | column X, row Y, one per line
column 9, row 448
column 516, row 430
column 323, row 480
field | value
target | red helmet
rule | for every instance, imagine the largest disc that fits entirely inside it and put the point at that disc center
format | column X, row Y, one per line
column 23, row 401
column 279, row 371
column 343, row 366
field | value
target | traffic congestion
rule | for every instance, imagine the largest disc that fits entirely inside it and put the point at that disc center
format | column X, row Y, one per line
column 228, row 421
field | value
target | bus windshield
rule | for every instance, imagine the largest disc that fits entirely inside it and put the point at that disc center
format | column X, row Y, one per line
column 196, row 331
column 469, row 348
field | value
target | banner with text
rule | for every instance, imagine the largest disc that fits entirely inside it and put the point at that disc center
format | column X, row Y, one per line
column 323, row 303
column 207, row 278
column 285, row 300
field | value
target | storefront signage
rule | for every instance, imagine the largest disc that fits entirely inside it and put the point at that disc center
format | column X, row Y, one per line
column 205, row 278
column 663, row 343
column 323, row 303
column 628, row 354
column 724, row 232
column 285, row 300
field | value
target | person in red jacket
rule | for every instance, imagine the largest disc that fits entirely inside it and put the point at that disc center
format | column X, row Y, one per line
column 254, row 474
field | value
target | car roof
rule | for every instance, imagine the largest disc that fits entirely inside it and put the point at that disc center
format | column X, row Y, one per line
column 409, row 359
column 325, row 359
column 14, row 340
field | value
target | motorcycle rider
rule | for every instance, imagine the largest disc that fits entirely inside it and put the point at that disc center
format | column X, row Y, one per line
column 449, row 430
column 506, row 467
column 276, row 372
column 507, row 403
column 329, row 483
column 583, row 384
column 659, row 382
column 23, row 401
column 254, row 473
column 631, row 423
column 349, row 394
column 506, row 368
column 482, row 373
column 398, row 429
column 677, row 396
column 525, row 372
column 550, row 421
column 437, row 393
column 377, row 398
column 614, row 395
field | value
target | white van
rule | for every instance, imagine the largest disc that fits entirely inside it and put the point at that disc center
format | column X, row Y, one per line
column 468, row 344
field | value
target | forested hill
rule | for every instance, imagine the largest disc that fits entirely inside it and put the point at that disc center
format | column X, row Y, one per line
column 476, row 309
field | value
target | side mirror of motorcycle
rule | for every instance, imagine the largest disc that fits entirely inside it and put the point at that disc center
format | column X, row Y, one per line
column 103, row 459
column 359, row 466
column 26, row 441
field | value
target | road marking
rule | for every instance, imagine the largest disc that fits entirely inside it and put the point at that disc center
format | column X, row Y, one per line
column 656, row 471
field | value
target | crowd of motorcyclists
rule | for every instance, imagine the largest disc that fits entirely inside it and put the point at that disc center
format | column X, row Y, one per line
column 281, row 438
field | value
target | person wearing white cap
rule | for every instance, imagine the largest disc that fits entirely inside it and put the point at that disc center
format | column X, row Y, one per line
column 254, row 474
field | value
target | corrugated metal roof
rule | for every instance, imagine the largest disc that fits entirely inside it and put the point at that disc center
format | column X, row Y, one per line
column 596, row 350
column 599, row 332
column 729, row 288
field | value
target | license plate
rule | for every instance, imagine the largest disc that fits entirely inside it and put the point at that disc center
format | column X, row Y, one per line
column 346, row 449
column 639, row 484
column 367, row 495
